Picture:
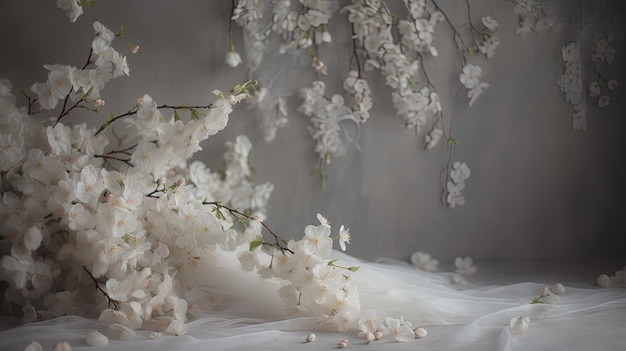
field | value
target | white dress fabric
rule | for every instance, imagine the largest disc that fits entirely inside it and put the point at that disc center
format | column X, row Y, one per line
column 465, row 316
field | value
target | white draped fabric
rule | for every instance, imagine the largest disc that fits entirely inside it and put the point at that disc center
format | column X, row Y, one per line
column 472, row 315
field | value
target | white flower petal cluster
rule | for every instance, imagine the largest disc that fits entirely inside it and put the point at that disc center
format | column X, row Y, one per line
column 373, row 26
column 361, row 94
column 488, row 41
column 375, row 325
column 459, row 173
column 72, row 7
column 470, row 78
column 424, row 262
column 72, row 216
column 618, row 279
column 519, row 325
column 465, row 266
column 65, row 80
column 326, row 117
column 571, row 84
column 604, row 53
column 533, row 16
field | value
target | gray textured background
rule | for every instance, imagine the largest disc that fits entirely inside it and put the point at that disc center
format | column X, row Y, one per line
column 538, row 190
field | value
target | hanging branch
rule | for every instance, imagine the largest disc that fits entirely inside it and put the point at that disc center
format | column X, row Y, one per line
column 457, row 36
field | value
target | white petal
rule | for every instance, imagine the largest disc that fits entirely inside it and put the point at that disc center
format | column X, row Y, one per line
column 95, row 338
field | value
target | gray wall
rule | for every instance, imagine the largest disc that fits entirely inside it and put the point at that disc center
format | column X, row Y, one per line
column 538, row 190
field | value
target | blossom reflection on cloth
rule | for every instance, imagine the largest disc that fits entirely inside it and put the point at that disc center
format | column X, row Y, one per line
column 469, row 317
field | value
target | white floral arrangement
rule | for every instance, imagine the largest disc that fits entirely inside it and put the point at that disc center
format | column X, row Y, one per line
column 119, row 223
column 393, row 43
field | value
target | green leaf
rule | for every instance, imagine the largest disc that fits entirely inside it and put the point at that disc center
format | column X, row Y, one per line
column 332, row 263
column 256, row 243
column 195, row 114
column 88, row 93
column 354, row 268
column 122, row 33
column 176, row 116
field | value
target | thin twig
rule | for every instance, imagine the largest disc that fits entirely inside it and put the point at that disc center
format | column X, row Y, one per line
column 277, row 238
column 457, row 36
column 116, row 304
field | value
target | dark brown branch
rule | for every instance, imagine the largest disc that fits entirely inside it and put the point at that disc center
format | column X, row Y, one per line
column 280, row 242
column 63, row 111
column 116, row 304
column 109, row 157
column 456, row 35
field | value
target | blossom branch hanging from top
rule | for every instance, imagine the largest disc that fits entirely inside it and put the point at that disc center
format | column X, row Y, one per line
column 380, row 41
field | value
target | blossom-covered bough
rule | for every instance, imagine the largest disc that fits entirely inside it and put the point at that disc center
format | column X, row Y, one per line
column 116, row 219
column 392, row 41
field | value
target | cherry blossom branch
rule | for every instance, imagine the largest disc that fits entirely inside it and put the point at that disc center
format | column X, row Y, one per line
column 116, row 304
column 109, row 157
column 63, row 111
column 135, row 109
column 31, row 101
column 355, row 55
column 457, row 36
column 469, row 16
column 280, row 242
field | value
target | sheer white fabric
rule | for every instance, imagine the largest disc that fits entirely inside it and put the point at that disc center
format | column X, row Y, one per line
column 470, row 316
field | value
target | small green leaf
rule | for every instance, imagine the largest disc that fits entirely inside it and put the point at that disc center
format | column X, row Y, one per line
column 332, row 262
column 176, row 116
column 88, row 93
column 354, row 268
column 256, row 243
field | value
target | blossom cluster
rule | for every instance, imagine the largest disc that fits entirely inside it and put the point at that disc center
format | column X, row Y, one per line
column 459, row 173
column 131, row 217
column 571, row 84
column 373, row 27
column 617, row 279
column 603, row 53
column 85, row 82
column 532, row 15
column 470, row 78
column 382, row 40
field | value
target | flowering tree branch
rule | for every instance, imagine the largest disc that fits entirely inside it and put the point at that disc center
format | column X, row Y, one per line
column 280, row 242
column 116, row 304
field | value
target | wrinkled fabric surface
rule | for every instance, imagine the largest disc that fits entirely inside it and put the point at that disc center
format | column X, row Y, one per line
column 472, row 315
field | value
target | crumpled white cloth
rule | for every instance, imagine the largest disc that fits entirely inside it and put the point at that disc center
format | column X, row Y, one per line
column 471, row 316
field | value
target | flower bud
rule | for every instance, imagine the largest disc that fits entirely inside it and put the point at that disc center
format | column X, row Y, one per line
column 98, row 102
column 420, row 333
column 34, row 346
column 95, row 338
column 310, row 337
column 603, row 280
column 379, row 335
column 343, row 345
column 134, row 49
column 558, row 288
column 62, row 346
column 369, row 337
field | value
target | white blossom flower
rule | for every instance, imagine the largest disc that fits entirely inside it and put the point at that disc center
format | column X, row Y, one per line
column 594, row 89
column 95, row 338
column 433, row 138
column 490, row 23
column 519, row 325
column 558, row 288
column 603, row 280
column 611, row 84
column 460, row 172
column 424, row 261
column 398, row 329
column 470, row 77
column 604, row 101
column 455, row 197
column 464, row 266
column 233, row 59
column 344, row 237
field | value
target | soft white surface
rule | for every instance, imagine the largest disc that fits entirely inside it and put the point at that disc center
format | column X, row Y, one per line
column 473, row 316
